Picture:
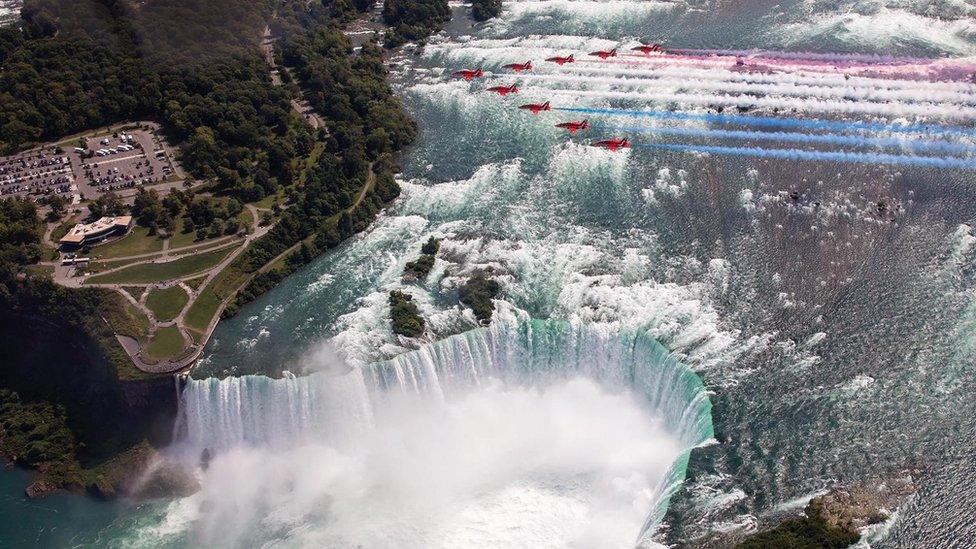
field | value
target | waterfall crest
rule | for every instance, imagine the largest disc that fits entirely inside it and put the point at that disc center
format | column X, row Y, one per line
column 323, row 408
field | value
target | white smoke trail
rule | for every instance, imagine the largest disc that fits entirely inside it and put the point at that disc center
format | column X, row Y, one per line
column 820, row 156
column 783, row 89
column 815, row 56
column 942, row 71
column 927, row 65
column 910, row 143
column 893, row 109
column 800, row 78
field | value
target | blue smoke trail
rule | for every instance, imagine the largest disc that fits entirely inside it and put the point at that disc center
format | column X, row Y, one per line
column 772, row 122
column 829, row 156
column 829, row 139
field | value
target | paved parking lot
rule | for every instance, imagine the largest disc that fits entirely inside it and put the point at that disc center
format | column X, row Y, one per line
column 91, row 165
column 36, row 172
column 125, row 160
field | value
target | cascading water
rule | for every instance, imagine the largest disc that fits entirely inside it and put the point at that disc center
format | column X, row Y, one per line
column 518, row 364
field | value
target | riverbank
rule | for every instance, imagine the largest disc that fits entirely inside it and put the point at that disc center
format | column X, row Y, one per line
column 338, row 188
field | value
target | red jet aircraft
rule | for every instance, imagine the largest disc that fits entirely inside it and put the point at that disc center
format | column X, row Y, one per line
column 519, row 67
column 504, row 90
column 561, row 60
column 574, row 126
column 614, row 144
column 536, row 108
column 647, row 49
column 603, row 54
column 469, row 74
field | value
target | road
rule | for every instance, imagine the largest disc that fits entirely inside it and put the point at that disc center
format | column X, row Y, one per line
column 136, row 350
column 301, row 106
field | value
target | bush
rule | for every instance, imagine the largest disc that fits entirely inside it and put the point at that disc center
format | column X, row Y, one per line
column 431, row 246
column 477, row 293
column 483, row 10
column 809, row 532
column 404, row 316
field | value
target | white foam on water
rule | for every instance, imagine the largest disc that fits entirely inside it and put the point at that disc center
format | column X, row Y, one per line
column 883, row 29
column 578, row 16
column 565, row 464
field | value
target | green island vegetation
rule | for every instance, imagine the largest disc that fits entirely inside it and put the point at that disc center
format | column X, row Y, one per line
column 420, row 267
column 483, row 10
column 413, row 19
column 477, row 293
column 405, row 317
column 167, row 302
column 812, row 531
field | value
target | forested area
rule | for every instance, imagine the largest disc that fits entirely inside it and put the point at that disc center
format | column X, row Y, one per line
column 62, row 402
column 193, row 66
column 366, row 126
column 196, row 67
column 483, row 10
column 413, row 19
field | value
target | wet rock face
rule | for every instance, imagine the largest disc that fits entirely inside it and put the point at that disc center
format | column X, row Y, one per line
column 167, row 481
column 868, row 503
column 835, row 519
column 40, row 488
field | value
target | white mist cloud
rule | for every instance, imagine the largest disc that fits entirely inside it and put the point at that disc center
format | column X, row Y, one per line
column 567, row 465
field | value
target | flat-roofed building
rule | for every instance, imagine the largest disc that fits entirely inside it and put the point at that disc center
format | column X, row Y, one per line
column 84, row 234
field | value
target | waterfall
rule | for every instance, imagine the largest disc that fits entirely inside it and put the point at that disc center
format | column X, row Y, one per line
column 324, row 408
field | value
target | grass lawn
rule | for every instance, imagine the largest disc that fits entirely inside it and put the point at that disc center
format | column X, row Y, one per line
column 167, row 303
column 268, row 201
column 205, row 307
column 136, row 242
column 205, row 245
column 100, row 266
column 179, row 238
column 195, row 282
column 146, row 273
column 166, row 343
column 134, row 291
column 41, row 270
column 124, row 318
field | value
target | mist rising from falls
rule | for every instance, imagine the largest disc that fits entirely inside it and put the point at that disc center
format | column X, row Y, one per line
column 520, row 434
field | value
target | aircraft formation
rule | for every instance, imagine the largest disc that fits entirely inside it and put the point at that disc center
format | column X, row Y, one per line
column 612, row 144
column 783, row 83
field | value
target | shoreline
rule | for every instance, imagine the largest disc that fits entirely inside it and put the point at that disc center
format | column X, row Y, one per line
column 142, row 393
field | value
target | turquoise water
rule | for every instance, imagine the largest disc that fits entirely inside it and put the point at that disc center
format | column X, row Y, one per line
column 61, row 519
